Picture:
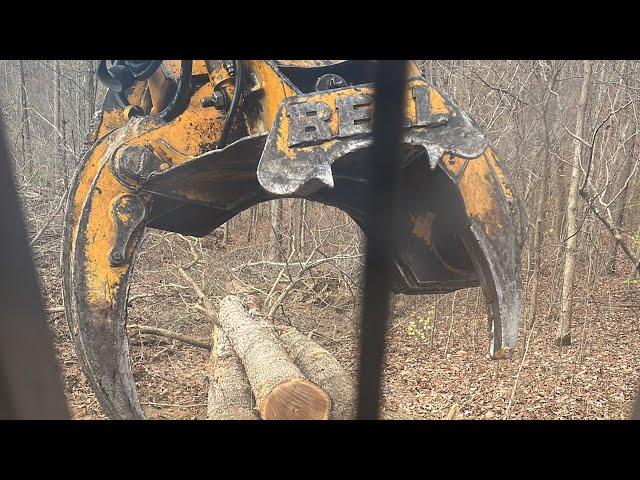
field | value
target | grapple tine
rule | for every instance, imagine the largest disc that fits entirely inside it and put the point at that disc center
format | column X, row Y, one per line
column 102, row 232
column 493, row 242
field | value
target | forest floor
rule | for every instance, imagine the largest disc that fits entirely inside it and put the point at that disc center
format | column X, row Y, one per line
column 435, row 352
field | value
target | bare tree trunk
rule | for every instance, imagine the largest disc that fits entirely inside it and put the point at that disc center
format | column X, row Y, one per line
column 301, row 230
column 561, row 201
column 79, row 107
column 57, row 124
column 226, row 234
column 633, row 275
column 543, row 193
column 230, row 396
column 619, row 223
column 563, row 333
column 63, row 154
column 253, row 221
column 25, row 134
column 538, row 238
column 275, row 236
column 90, row 92
column 622, row 201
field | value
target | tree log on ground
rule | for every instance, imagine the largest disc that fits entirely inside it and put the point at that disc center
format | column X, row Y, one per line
column 322, row 368
column 230, row 396
column 280, row 388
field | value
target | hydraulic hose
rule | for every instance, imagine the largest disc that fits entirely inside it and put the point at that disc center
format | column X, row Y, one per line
column 233, row 107
column 124, row 73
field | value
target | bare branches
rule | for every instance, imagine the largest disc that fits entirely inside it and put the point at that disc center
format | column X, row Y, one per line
column 613, row 229
column 161, row 332
column 49, row 220
column 593, row 139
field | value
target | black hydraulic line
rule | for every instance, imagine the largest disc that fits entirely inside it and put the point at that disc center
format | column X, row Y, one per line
column 115, row 77
column 635, row 414
column 181, row 97
column 389, row 104
column 143, row 69
column 237, row 91
column 124, row 73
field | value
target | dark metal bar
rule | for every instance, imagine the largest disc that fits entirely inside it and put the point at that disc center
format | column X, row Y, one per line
column 30, row 383
column 389, row 105
column 635, row 414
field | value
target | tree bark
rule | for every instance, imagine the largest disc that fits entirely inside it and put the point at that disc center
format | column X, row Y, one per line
column 301, row 230
column 280, row 388
column 634, row 271
column 275, row 236
column 25, row 133
column 627, row 171
column 563, row 333
column 538, row 237
column 322, row 368
column 90, row 92
column 622, row 202
column 230, row 396
column 226, row 234
column 57, row 124
column 63, row 155
column 253, row 220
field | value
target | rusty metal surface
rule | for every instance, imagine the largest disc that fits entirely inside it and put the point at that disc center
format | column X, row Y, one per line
column 95, row 290
column 128, row 213
column 220, row 179
column 312, row 131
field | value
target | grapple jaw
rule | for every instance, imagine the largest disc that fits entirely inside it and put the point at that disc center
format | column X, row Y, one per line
column 494, row 240
column 103, row 227
column 462, row 225
column 312, row 131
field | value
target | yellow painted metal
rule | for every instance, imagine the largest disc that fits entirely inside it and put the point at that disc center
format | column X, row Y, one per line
column 196, row 130
column 91, row 227
column 330, row 98
column 481, row 185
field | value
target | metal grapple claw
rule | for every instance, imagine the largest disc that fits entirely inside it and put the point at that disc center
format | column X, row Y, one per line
column 494, row 242
column 102, row 232
column 304, row 130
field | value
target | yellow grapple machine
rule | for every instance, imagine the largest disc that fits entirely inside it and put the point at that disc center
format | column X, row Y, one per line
column 184, row 146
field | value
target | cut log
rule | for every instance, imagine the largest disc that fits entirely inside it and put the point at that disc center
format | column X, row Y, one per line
column 280, row 388
column 322, row 368
column 230, row 396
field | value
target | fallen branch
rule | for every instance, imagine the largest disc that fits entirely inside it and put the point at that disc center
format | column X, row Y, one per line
column 54, row 309
column 161, row 332
column 49, row 220
column 453, row 411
